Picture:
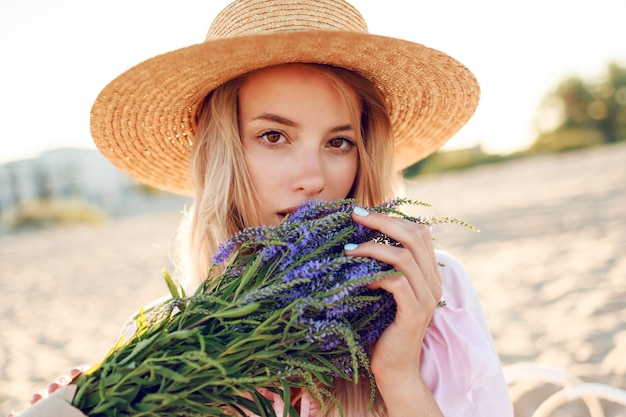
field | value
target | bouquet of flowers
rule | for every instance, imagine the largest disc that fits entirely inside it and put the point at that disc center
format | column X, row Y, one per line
column 289, row 310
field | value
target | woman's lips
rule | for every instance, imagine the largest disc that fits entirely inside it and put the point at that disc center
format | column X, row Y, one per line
column 284, row 213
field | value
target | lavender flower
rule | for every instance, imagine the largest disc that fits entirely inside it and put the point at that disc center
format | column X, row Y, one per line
column 290, row 309
column 305, row 252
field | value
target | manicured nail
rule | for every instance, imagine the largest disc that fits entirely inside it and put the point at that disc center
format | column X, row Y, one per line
column 361, row 212
column 350, row 246
column 38, row 396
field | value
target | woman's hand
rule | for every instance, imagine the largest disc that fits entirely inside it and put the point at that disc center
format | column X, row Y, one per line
column 53, row 386
column 395, row 358
column 58, row 383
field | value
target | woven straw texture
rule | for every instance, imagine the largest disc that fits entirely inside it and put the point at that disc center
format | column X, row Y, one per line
column 144, row 120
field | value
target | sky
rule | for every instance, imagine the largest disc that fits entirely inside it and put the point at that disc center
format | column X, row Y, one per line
column 58, row 55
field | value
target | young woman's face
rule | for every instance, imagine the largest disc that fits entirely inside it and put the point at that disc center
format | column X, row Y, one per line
column 298, row 139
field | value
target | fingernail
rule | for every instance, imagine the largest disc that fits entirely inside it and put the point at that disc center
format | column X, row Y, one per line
column 79, row 370
column 36, row 397
column 361, row 212
column 350, row 246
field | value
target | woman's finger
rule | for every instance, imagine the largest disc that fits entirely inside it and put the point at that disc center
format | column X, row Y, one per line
column 402, row 230
column 58, row 383
column 415, row 297
column 417, row 252
column 38, row 396
column 75, row 372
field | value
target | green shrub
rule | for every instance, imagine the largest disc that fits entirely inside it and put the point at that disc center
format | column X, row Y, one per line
column 49, row 212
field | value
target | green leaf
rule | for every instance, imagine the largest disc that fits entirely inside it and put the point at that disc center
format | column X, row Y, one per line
column 286, row 396
column 108, row 403
column 248, row 274
column 141, row 322
column 170, row 284
column 140, row 347
column 168, row 373
column 237, row 311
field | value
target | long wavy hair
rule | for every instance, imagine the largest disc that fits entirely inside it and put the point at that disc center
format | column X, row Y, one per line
column 224, row 200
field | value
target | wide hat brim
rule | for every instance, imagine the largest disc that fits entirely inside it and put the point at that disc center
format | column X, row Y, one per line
column 144, row 121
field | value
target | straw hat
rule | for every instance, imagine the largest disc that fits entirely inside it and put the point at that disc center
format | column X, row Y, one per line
column 144, row 121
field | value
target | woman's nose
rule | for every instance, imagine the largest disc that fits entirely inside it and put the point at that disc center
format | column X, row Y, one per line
column 309, row 170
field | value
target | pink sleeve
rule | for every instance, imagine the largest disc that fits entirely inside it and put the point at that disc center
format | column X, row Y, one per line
column 459, row 361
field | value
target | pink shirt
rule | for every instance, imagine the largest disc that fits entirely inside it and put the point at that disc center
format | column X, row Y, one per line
column 459, row 362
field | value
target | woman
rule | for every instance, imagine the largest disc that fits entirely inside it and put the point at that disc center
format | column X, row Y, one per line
column 289, row 101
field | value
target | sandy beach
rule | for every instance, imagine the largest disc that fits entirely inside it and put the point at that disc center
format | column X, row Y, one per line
column 549, row 266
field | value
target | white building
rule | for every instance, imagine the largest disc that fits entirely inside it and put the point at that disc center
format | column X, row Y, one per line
column 78, row 174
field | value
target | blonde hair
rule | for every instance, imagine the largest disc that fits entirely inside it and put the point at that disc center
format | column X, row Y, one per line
column 224, row 200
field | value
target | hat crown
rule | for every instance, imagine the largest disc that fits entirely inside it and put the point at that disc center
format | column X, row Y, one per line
column 254, row 17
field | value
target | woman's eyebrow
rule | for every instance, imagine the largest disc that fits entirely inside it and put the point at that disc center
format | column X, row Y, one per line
column 287, row 122
column 276, row 118
column 341, row 128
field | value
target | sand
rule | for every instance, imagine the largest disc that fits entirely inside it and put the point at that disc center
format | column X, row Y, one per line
column 549, row 266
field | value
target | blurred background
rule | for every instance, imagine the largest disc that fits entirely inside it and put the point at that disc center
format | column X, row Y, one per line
column 540, row 169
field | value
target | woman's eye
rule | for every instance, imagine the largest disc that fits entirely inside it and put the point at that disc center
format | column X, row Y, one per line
column 272, row 136
column 340, row 143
